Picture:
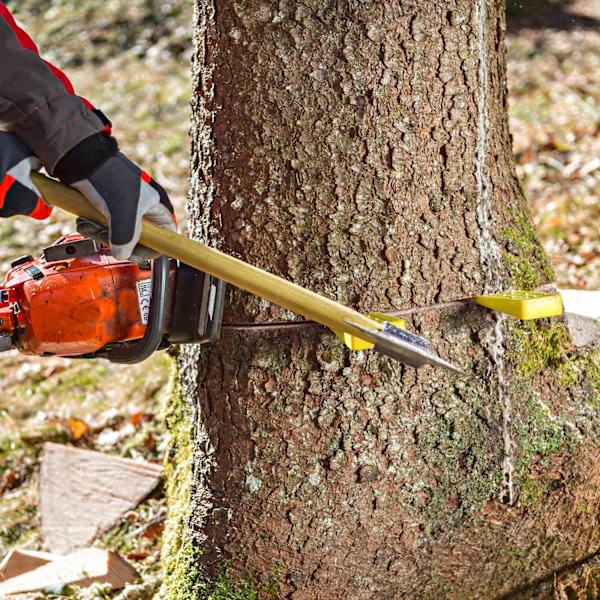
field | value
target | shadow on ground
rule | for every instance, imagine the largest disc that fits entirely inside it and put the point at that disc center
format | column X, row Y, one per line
column 546, row 14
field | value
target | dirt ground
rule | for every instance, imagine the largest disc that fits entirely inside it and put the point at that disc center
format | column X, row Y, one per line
column 134, row 64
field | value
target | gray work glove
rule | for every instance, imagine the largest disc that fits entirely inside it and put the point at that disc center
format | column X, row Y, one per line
column 121, row 191
column 18, row 194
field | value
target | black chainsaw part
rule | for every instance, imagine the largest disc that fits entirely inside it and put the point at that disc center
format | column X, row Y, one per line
column 197, row 307
column 73, row 249
column 22, row 260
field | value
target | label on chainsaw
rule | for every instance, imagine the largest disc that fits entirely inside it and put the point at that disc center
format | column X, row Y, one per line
column 144, row 289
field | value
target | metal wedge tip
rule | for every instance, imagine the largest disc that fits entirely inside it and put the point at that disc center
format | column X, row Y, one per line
column 408, row 348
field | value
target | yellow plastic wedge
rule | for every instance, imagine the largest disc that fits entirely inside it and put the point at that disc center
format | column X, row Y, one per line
column 523, row 305
column 356, row 343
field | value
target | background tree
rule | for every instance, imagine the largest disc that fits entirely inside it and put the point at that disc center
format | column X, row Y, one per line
column 362, row 150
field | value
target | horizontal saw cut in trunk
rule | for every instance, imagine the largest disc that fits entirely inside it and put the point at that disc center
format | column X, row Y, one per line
column 382, row 335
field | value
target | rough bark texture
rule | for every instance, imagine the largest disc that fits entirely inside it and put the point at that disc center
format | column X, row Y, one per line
column 361, row 149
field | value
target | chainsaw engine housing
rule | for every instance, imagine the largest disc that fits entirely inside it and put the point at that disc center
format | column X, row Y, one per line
column 78, row 300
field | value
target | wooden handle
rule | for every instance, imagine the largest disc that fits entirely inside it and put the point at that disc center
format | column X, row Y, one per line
column 232, row 270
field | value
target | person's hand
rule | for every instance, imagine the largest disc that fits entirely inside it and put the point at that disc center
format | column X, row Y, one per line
column 18, row 194
column 125, row 195
column 121, row 191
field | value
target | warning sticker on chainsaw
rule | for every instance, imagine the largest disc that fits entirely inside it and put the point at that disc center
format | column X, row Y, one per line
column 144, row 290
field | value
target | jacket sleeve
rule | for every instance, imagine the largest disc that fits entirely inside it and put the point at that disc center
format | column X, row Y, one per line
column 37, row 101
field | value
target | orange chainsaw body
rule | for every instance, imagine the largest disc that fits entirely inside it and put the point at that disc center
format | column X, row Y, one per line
column 74, row 306
column 77, row 300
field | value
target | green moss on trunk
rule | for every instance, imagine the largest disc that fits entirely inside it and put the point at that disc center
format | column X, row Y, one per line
column 180, row 558
column 547, row 421
column 529, row 265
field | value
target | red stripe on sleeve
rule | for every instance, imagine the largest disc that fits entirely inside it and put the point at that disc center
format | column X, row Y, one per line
column 5, row 186
column 41, row 211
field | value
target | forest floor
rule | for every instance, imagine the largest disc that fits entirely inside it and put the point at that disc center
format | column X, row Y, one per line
column 132, row 58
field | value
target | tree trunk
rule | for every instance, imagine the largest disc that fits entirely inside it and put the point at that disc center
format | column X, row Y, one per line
column 361, row 149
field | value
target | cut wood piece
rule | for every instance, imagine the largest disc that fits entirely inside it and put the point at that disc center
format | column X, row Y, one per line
column 583, row 330
column 582, row 313
column 82, row 568
column 83, row 493
column 20, row 561
column 584, row 303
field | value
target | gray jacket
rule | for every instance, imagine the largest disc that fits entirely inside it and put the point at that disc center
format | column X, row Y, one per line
column 35, row 104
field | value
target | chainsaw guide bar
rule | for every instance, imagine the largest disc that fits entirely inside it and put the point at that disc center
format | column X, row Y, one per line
column 406, row 348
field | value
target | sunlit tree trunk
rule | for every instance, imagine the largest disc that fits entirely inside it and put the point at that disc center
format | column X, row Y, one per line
column 361, row 149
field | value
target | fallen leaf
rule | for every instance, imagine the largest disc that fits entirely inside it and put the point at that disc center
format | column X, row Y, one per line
column 136, row 418
column 9, row 480
column 77, row 428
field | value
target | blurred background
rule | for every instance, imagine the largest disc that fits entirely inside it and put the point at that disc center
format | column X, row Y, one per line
column 554, row 84
column 132, row 59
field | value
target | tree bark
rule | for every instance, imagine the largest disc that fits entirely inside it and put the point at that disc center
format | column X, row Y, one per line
column 361, row 150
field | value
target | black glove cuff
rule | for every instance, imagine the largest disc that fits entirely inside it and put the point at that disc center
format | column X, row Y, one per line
column 85, row 158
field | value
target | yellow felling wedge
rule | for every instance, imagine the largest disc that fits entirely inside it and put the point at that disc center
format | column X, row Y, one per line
column 356, row 343
column 523, row 305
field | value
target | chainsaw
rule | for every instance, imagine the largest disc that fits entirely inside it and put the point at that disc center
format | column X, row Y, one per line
column 77, row 300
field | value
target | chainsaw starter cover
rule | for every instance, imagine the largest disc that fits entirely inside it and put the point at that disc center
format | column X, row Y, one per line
column 74, row 304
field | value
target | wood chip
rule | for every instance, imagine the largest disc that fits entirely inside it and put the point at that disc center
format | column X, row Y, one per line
column 82, row 568
column 18, row 561
column 84, row 493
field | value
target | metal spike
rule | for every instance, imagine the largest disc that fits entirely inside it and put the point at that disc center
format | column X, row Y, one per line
column 405, row 347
